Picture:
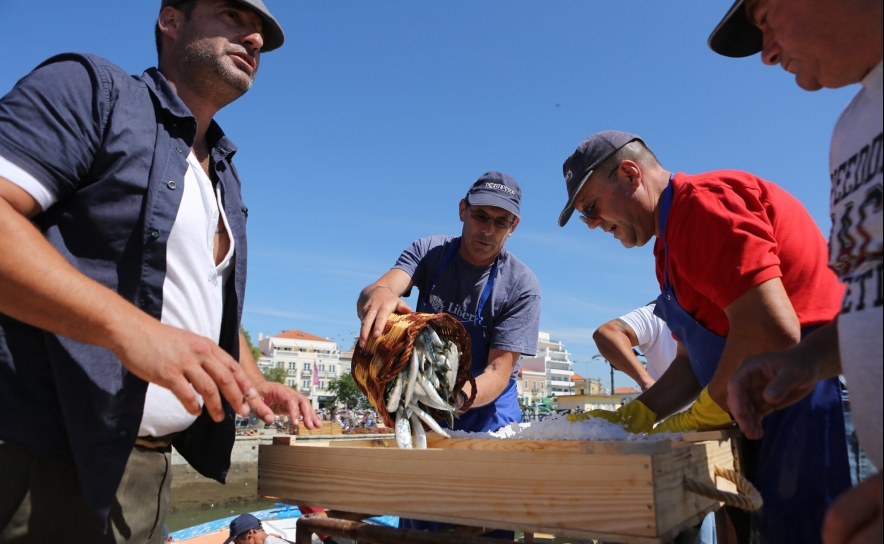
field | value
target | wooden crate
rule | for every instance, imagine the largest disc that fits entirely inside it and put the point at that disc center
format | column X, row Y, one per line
column 328, row 427
column 629, row 492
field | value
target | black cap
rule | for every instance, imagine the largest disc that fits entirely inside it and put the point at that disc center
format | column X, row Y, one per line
column 271, row 32
column 589, row 154
column 736, row 36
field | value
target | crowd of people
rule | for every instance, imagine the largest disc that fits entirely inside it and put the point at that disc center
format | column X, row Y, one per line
column 104, row 263
column 350, row 419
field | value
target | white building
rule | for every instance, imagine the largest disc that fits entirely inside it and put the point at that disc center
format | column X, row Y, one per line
column 303, row 356
column 347, row 360
column 553, row 361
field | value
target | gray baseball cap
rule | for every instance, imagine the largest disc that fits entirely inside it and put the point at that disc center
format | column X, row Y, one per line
column 736, row 36
column 589, row 154
column 496, row 189
column 272, row 32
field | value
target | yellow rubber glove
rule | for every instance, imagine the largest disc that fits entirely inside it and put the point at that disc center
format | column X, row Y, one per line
column 634, row 416
column 703, row 414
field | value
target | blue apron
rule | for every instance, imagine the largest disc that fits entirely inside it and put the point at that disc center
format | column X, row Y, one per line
column 802, row 463
column 504, row 410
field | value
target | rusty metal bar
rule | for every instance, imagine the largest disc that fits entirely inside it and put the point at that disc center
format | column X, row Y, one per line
column 375, row 534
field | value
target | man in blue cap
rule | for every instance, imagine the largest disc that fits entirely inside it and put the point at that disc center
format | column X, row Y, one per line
column 831, row 45
column 473, row 278
column 119, row 323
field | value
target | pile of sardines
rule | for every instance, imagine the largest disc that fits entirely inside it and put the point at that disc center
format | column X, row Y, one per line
column 425, row 382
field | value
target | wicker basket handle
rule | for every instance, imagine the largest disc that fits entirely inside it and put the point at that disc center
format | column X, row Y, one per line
column 747, row 498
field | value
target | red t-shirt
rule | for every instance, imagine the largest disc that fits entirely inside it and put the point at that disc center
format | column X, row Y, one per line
column 729, row 231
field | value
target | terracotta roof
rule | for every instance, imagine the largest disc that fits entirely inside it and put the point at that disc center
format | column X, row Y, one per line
column 300, row 335
column 577, row 378
column 623, row 390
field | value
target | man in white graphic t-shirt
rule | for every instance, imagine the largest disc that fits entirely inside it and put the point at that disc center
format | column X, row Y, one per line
column 830, row 44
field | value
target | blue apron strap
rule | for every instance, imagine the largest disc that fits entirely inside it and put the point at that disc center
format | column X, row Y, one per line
column 449, row 253
column 486, row 293
column 665, row 204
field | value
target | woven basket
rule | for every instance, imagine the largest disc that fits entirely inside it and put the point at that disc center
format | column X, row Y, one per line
column 384, row 358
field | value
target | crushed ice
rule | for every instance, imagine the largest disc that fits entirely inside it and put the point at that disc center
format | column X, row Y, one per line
column 557, row 427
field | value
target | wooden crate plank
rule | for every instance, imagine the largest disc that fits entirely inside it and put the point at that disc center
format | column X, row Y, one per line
column 680, row 509
column 587, row 496
column 574, row 446
column 366, row 443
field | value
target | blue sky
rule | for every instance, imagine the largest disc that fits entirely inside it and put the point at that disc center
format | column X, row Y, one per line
column 364, row 131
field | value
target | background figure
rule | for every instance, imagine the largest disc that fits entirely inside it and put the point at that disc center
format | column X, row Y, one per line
column 642, row 329
column 829, row 44
column 247, row 529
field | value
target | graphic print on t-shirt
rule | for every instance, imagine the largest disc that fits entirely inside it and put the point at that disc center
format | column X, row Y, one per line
column 459, row 311
column 856, row 241
column 856, row 205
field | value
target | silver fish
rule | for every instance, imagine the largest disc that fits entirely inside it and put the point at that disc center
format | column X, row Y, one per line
column 403, row 430
column 434, row 337
column 454, row 360
column 395, row 394
column 412, row 377
column 430, row 397
column 432, row 378
column 418, row 436
column 420, row 342
column 426, row 418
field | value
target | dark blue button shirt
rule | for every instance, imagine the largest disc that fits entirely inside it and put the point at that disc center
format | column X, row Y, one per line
column 113, row 148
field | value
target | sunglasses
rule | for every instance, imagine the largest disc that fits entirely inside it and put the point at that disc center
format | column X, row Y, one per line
column 587, row 213
column 482, row 217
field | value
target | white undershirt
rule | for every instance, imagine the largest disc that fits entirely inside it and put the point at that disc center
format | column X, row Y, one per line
column 193, row 291
column 654, row 339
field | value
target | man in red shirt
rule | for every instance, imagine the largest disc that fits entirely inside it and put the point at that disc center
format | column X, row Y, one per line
column 743, row 270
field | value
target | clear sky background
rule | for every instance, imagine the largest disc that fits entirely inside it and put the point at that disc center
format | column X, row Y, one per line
column 365, row 130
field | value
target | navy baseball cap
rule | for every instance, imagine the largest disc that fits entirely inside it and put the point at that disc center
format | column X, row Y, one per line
column 496, row 189
column 271, row 31
column 242, row 524
column 736, row 36
column 589, row 154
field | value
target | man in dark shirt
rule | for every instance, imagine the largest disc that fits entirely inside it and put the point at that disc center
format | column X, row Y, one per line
column 119, row 325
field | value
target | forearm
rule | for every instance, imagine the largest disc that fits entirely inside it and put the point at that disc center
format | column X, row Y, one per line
column 744, row 340
column 821, row 347
column 761, row 320
column 618, row 352
column 497, row 375
column 489, row 386
column 676, row 388
column 39, row 287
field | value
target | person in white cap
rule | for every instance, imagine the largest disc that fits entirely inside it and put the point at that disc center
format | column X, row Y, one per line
column 122, row 278
column 830, row 44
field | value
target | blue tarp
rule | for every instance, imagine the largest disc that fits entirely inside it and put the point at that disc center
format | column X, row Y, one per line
column 280, row 511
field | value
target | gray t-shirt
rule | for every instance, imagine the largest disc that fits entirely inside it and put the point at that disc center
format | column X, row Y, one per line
column 511, row 316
